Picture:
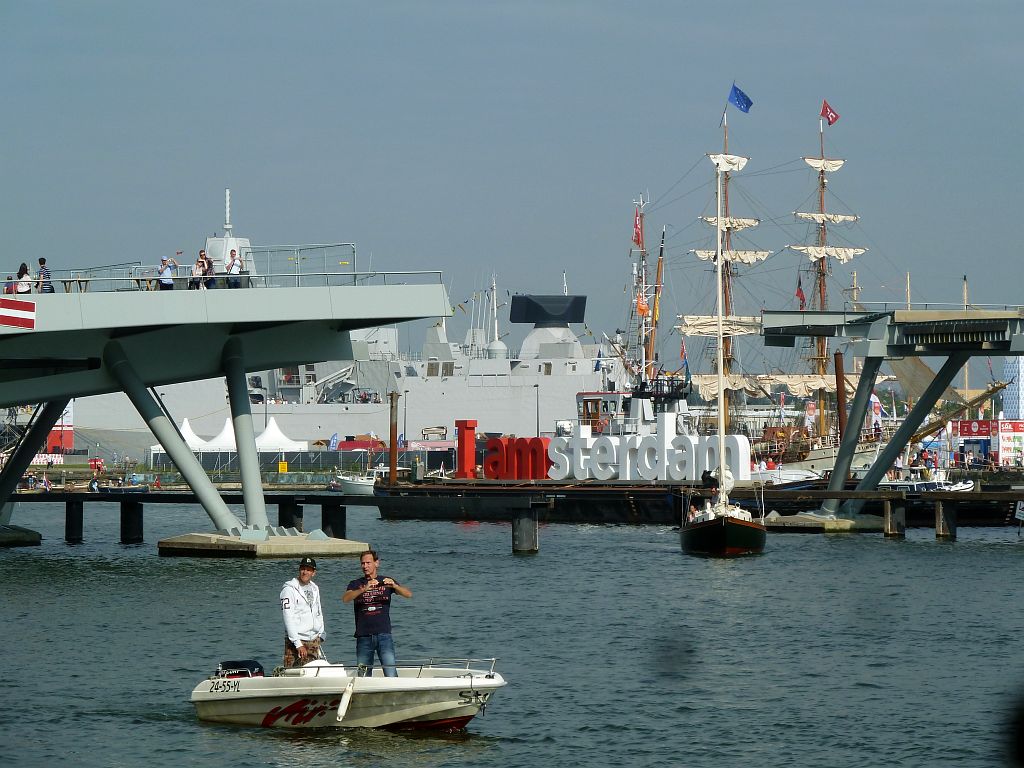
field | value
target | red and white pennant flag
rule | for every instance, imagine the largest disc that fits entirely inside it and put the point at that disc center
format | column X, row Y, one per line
column 828, row 113
column 15, row 313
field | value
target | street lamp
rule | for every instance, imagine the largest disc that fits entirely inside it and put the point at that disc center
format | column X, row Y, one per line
column 405, row 418
column 536, row 392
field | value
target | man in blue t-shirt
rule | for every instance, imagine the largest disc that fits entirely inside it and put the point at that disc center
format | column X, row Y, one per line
column 372, row 596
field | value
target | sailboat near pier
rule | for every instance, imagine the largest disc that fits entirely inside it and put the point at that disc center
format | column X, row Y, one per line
column 721, row 528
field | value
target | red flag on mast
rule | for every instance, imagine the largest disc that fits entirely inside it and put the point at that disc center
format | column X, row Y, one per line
column 828, row 113
column 800, row 294
column 638, row 229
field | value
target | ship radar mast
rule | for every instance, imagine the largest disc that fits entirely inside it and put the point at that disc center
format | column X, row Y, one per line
column 227, row 213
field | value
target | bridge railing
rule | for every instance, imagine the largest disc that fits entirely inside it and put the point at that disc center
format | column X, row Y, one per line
column 136, row 277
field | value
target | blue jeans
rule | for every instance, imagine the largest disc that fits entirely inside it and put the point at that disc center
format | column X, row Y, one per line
column 384, row 645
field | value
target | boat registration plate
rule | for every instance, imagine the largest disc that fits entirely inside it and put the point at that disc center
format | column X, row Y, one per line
column 224, row 686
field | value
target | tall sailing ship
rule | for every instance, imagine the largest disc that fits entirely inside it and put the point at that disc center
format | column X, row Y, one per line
column 812, row 443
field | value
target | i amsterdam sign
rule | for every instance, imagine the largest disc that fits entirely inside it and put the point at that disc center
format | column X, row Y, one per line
column 664, row 456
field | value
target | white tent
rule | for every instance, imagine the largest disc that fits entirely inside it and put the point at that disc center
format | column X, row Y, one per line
column 273, row 440
column 192, row 440
column 225, row 441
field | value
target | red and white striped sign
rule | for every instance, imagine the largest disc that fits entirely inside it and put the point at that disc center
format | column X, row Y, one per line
column 16, row 313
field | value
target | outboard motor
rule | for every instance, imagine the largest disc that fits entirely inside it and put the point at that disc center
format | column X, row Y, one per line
column 244, row 668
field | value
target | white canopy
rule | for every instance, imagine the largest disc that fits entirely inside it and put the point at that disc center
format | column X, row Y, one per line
column 192, row 440
column 273, row 440
column 225, row 441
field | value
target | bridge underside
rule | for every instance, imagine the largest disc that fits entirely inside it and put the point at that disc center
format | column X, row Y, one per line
column 89, row 344
column 954, row 335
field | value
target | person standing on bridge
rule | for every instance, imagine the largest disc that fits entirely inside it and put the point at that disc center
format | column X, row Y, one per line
column 44, row 284
column 303, row 616
column 234, row 265
column 165, row 273
column 372, row 603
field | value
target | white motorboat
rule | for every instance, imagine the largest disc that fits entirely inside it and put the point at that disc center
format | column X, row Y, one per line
column 354, row 485
column 361, row 484
column 436, row 694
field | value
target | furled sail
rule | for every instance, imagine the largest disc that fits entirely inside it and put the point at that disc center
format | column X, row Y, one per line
column 815, row 252
column 707, row 325
column 734, row 223
column 823, row 218
column 729, row 162
column 797, row 384
column 827, row 164
column 744, row 257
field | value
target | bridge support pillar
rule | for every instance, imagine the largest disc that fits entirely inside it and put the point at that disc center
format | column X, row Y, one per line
column 74, row 516
column 334, row 519
column 167, row 433
column 131, row 522
column 26, row 450
column 289, row 514
column 895, row 523
column 945, row 521
column 245, row 438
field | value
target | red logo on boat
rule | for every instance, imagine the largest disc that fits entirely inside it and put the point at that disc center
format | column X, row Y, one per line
column 299, row 712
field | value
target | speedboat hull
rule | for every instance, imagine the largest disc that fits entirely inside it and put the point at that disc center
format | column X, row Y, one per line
column 328, row 696
column 723, row 536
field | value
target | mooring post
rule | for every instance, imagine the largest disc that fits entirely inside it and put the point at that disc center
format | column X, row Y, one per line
column 525, row 529
column 895, row 524
column 945, row 521
column 131, row 522
column 289, row 514
column 74, row 521
column 334, row 519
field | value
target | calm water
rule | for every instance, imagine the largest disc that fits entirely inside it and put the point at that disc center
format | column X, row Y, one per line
column 826, row 651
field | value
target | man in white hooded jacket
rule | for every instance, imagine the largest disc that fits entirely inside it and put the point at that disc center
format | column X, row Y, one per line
column 303, row 616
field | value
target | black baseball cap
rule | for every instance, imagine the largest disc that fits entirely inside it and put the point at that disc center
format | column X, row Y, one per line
column 307, row 562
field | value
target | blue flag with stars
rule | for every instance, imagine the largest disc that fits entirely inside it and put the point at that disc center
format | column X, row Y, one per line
column 739, row 99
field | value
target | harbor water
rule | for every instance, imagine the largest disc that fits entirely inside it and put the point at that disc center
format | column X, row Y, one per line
column 619, row 650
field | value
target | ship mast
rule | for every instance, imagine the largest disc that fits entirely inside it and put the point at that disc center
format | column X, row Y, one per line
column 725, row 224
column 640, row 310
column 821, row 253
column 723, row 163
column 655, row 307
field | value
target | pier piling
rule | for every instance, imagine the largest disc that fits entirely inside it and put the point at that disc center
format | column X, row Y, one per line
column 945, row 521
column 895, row 523
column 131, row 522
column 74, row 521
column 334, row 519
column 525, row 529
column 289, row 514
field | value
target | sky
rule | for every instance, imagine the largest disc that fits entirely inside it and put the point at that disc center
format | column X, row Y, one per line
column 512, row 139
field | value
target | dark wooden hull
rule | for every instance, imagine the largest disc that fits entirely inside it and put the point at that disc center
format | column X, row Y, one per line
column 723, row 537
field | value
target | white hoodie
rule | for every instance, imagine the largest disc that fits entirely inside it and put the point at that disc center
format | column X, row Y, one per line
column 303, row 618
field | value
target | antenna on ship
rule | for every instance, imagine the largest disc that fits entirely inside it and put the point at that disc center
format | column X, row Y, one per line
column 565, row 285
column 227, row 213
